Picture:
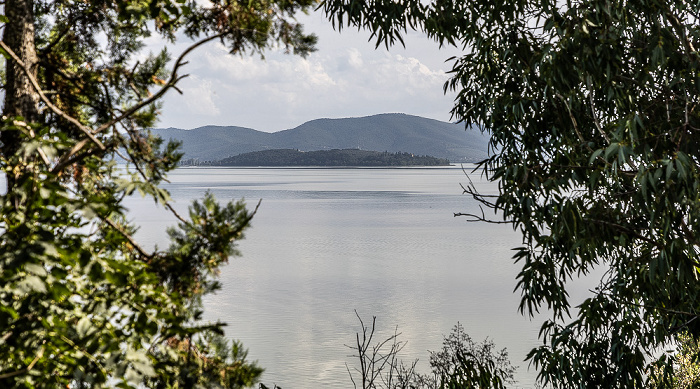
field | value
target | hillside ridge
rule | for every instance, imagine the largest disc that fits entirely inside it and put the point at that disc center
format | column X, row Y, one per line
column 390, row 132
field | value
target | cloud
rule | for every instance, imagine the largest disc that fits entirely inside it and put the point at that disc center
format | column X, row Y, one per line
column 346, row 77
column 201, row 97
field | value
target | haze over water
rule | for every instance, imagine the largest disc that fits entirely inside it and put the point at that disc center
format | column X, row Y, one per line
column 326, row 242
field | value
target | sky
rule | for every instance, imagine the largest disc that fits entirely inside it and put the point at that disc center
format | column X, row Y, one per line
column 346, row 77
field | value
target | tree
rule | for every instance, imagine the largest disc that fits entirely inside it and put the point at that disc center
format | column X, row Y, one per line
column 592, row 108
column 82, row 304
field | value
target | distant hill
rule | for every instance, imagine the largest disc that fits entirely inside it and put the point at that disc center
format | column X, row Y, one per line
column 347, row 157
column 384, row 132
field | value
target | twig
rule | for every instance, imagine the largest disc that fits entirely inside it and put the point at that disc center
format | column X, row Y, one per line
column 177, row 215
column 41, row 152
column 26, row 369
column 354, row 385
column 482, row 218
column 66, row 159
column 174, row 78
column 573, row 120
column 90, row 356
column 6, row 336
column 128, row 237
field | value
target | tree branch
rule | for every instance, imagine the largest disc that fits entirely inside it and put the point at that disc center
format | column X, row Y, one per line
column 482, row 218
column 595, row 117
column 174, row 78
column 66, row 159
column 128, row 237
column 680, row 30
column 46, row 100
column 26, row 369
column 625, row 230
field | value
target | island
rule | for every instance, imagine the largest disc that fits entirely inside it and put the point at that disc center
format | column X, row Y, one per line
column 336, row 157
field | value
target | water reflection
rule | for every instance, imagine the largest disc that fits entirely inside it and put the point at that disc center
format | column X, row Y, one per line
column 328, row 241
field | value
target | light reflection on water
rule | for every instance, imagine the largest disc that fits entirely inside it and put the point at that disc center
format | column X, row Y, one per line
column 326, row 242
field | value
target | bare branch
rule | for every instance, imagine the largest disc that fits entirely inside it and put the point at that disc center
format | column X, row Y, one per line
column 470, row 189
column 174, row 79
column 177, row 215
column 482, row 218
column 354, row 385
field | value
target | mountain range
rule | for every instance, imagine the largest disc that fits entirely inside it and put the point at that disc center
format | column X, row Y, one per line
column 384, row 132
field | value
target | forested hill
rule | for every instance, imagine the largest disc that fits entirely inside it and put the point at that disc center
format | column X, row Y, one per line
column 347, row 157
column 385, row 132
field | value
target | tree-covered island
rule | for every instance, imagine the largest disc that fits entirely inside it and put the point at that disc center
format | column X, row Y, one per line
column 337, row 157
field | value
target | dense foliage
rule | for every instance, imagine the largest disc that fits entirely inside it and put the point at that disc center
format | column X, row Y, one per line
column 686, row 364
column 592, row 107
column 82, row 304
column 347, row 157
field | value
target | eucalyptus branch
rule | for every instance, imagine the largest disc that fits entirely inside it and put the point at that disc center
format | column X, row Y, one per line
column 638, row 305
column 689, row 235
column 593, row 114
column 46, row 100
column 574, row 122
column 626, row 230
column 680, row 30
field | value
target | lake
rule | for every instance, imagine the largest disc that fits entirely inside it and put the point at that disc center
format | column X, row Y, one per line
column 326, row 242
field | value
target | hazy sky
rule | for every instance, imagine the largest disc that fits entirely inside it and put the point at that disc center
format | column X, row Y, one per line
column 346, row 77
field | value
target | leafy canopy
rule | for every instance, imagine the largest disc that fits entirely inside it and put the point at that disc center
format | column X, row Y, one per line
column 82, row 304
column 592, row 107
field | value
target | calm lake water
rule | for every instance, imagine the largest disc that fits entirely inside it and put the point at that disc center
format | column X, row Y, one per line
column 327, row 242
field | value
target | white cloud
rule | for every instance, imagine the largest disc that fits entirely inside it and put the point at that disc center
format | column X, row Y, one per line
column 346, row 77
column 201, row 96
